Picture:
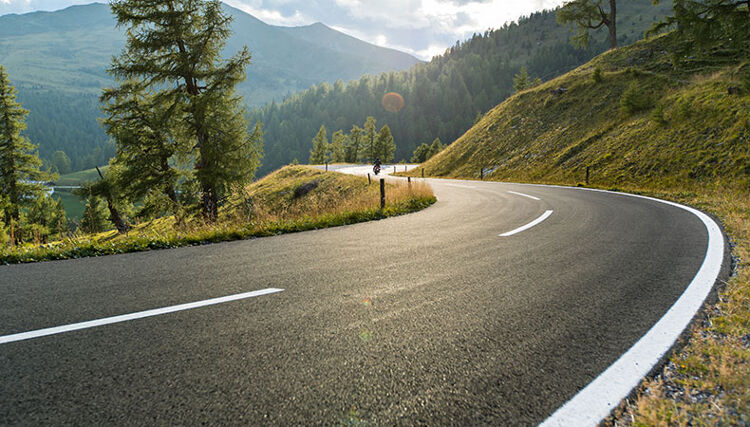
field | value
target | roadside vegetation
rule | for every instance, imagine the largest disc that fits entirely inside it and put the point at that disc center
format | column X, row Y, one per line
column 292, row 199
column 667, row 117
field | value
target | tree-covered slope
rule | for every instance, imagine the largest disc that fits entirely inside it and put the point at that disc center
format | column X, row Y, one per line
column 58, row 62
column 638, row 121
column 444, row 96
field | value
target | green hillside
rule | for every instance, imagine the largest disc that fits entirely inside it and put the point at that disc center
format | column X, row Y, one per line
column 643, row 123
column 444, row 96
column 58, row 61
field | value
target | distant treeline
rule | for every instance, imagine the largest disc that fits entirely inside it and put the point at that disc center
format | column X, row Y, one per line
column 445, row 96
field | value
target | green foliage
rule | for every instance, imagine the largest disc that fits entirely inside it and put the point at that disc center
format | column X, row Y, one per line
column 521, row 81
column 339, row 142
column 695, row 137
column 61, row 162
column 19, row 163
column 94, row 219
column 426, row 151
column 635, row 99
column 706, row 26
column 354, row 139
column 421, row 153
column 45, row 218
column 172, row 68
column 435, row 148
column 444, row 95
column 59, row 61
column 319, row 152
column 585, row 15
column 597, row 75
column 386, row 146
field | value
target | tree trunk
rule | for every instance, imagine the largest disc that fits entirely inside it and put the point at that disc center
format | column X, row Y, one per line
column 612, row 24
column 114, row 214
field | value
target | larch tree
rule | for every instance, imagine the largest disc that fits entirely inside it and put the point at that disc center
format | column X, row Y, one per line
column 319, row 152
column 339, row 142
column 585, row 15
column 386, row 146
column 19, row 162
column 369, row 151
column 173, row 47
column 142, row 124
column 354, row 144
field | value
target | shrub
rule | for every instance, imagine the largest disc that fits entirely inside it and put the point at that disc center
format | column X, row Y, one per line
column 634, row 99
column 597, row 76
column 658, row 115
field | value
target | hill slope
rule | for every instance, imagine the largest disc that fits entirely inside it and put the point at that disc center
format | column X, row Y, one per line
column 58, row 61
column 642, row 124
column 444, row 96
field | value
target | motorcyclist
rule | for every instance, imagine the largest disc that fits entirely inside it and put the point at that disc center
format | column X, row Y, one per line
column 376, row 166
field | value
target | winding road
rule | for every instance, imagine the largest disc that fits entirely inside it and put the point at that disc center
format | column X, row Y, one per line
column 497, row 305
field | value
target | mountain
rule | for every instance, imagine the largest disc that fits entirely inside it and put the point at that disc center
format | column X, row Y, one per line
column 444, row 97
column 639, row 121
column 58, row 61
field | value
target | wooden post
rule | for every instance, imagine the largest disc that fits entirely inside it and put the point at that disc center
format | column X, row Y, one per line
column 404, row 168
column 382, row 193
column 588, row 168
column 481, row 174
column 408, row 178
column 326, row 166
column 422, row 172
column 394, row 169
column 369, row 180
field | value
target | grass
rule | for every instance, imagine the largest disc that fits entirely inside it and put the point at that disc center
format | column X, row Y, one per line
column 650, row 127
column 265, row 208
column 78, row 178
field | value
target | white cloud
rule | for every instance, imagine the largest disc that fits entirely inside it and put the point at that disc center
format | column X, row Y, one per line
column 271, row 16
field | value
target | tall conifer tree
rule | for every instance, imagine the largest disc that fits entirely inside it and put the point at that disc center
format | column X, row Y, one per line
column 174, row 47
column 319, row 152
column 19, row 162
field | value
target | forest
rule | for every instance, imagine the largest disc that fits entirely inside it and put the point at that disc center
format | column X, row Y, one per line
column 445, row 97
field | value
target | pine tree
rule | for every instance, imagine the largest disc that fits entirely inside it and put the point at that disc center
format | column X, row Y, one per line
column 94, row 218
column 521, row 81
column 354, row 144
column 435, row 148
column 386, row 146
column 19, row 162
column 174, row 47
column 339, row 142
column 369, row 150
column 62, row 162
column 319, row 152
column 587, row 15
column 142, row 125
column 420, row 154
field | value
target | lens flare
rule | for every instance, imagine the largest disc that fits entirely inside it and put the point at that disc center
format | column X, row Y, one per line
column 393, row 102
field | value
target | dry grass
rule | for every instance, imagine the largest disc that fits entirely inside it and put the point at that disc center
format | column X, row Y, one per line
column 707, row 382
column 265, row 208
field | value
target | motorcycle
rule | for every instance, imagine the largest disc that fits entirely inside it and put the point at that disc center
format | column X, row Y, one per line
column 376, row 169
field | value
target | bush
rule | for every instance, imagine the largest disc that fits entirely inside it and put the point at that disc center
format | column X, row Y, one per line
column 658, row 115
column 597, row 76
column 634, row 99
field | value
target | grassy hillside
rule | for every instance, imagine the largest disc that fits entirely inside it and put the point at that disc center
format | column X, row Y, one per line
column 641, row 123
column 443, row 97
column 292, row 199
column 649, row 122
column 78, row 178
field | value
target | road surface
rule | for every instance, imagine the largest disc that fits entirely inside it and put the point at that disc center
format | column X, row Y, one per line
column 458, row 314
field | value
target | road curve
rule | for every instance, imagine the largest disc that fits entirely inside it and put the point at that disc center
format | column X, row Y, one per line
column 429, row 318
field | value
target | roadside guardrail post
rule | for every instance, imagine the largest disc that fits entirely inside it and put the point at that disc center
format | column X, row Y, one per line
column 369, row 180
column 588, row 168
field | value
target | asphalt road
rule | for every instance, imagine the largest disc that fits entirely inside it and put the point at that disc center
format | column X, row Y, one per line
column 427, row 318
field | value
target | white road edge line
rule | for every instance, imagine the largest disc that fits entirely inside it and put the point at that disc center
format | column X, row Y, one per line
column 524, row 195
column 537, row 221
column 133, row 316
column 597, row 400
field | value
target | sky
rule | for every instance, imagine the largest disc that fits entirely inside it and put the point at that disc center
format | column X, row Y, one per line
column 423, row 28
